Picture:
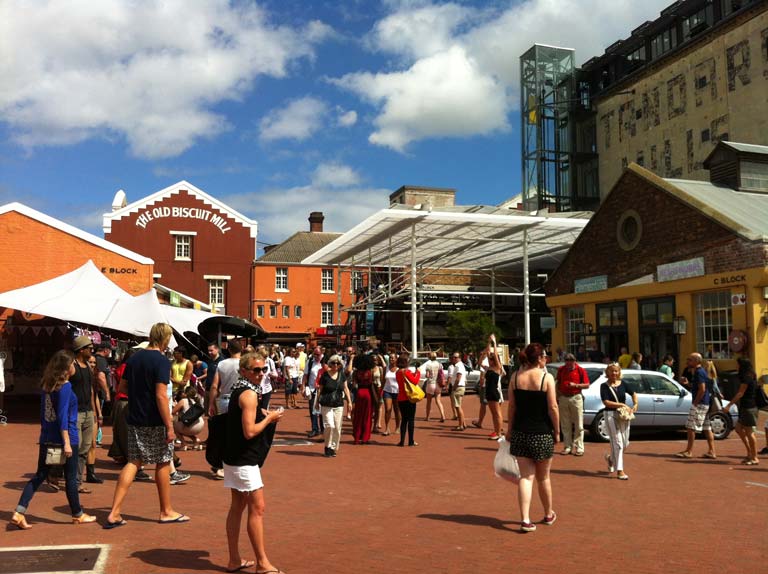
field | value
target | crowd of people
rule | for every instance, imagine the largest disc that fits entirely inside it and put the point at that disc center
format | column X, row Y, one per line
column 159, row 405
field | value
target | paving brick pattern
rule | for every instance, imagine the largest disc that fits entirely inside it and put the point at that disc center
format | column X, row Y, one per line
column 380, row 509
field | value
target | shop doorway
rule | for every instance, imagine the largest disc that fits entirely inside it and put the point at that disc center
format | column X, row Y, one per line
column 657, row 336
column 612, row 329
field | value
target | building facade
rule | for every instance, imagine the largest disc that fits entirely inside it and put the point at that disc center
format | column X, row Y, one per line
column 672, row 266
column 201, row 247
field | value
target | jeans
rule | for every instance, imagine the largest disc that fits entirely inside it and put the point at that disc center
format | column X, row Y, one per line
column 85, row 428
column 222, row 404
column 317, row 421
column 332, row 418
column 407, row 420
column 70, row 472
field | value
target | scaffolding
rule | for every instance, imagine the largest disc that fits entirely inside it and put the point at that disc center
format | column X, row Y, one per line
column 546, row 73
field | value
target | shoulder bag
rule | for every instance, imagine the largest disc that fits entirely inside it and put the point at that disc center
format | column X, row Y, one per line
column 54, row 453
column 336, row 397
column 624, row 412
column 192, row 414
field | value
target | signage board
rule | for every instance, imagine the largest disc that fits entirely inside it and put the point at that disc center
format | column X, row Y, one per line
column 680, row 270
column 175, row 299
column 589, row 284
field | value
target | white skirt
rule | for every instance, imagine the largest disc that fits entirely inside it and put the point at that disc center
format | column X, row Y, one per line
column 242, row 478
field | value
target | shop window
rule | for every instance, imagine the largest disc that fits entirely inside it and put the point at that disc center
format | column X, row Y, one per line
column 297, row 311
column 326, row 314
column 260, row 311
column 273, row 311
column 574, row 328
column 612, row 315
column 281, row 279
column 286, row 312
column 356, row 283
column 183, row 248
column 326, row 281
column 655, row 313
column 713, row 323
column 216, row 291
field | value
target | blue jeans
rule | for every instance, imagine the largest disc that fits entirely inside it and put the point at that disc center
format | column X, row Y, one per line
column 70, row 475
column 317, row 420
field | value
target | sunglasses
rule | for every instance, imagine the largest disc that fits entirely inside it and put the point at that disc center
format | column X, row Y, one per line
column 259, row 370
column 334, row 364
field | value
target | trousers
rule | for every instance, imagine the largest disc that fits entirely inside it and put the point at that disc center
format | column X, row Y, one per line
column 85, row 429
column 572, row 421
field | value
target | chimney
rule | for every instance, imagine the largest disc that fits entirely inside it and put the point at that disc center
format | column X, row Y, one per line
column 316, row 222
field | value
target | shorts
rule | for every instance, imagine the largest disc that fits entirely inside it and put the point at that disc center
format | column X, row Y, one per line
column 748, row 417
column 432, row 389
column 292, row 387
column 697, row 418
column 388, row 395
column 242, row 478
column 535, row 446
column 456, row 395
column 149, row 445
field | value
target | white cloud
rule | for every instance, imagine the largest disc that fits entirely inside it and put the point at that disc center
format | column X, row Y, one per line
column 459, row 67
column 347, row 119
column 147, row 72
column 282, row 212
column 334, row 175
column 298, row 120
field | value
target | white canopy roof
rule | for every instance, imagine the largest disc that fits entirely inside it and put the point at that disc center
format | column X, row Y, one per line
column 468, row 237
column 87, row 297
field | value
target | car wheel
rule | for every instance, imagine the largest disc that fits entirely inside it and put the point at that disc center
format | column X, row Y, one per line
column 721, row 425
column 599, row 429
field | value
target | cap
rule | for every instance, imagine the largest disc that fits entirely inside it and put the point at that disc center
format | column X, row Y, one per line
column 299, row 345
column 81, row 342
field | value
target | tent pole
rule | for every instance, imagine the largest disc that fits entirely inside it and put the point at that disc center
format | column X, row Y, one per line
column 493, row 296
column 414, row 340
column 526, row 290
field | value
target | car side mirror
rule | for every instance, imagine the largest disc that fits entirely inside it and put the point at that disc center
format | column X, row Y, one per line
column 683, row 392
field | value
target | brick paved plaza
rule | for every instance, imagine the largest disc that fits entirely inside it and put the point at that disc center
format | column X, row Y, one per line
column 436, row 508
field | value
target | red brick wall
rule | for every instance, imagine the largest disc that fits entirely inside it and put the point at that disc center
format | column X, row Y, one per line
column 213, row 252
column 671, row 231
column 33, row 252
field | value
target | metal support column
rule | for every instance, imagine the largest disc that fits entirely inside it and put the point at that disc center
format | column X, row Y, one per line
column 338, row 296
column 414, row 339
column 421, row 320
column 493, row 296
column 526, row 290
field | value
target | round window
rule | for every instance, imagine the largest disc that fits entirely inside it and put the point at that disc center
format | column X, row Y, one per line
column 629, row 230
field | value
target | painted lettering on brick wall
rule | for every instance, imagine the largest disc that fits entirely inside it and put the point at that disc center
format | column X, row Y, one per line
column 150, row 214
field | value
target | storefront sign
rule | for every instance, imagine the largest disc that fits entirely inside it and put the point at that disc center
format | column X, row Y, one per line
column 119, row 270
column 547, row 322
column 175, row 299
column 144, row 217
column 680, row 270
column 728, row 279
column 589, row 284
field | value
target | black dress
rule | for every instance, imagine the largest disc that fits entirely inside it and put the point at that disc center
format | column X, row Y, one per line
column 532, row 431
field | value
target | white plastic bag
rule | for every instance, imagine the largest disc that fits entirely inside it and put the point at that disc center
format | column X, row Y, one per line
column 505, row 464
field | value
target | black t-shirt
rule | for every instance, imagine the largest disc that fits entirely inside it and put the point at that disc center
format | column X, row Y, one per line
column 82, row 386
column 143, row 372
column 621, row 393
column 213, row 365
column 102, row 365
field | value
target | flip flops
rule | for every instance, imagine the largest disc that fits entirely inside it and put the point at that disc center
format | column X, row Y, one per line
column 180, row 518
column 110, row 525
column 683, row 454
column 243, row 565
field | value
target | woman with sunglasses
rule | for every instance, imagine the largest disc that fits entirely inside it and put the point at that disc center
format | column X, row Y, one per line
column 331, row 394
column 614, row 393
column 58, row 425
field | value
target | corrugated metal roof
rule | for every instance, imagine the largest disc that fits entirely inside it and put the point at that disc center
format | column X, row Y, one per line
column 744, row 212
column 298, row 246
column 747, row 148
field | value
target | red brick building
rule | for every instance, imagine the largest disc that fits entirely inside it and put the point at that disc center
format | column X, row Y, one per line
column 200, row 246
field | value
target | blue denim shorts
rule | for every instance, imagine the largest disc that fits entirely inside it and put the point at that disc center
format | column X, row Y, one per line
column 388, row 395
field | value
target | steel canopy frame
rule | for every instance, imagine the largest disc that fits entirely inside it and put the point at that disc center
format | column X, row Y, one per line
column 471, row 238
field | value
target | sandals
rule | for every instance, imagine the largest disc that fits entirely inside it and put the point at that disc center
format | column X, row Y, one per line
column 243, row 565
column 683, row 454
column 709, row 455
column 460, row 428
column 19, row 521
column 83, row 519
column 84, row 490
column 750, row 462
column 477, row 424
column 622, row 476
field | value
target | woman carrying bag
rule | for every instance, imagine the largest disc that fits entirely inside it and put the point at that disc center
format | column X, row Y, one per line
column 406, row 406
column 614, row 393
column 332, row 393
column 58, row 438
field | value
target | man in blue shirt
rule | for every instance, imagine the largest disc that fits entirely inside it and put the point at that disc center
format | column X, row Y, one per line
column 695, row 378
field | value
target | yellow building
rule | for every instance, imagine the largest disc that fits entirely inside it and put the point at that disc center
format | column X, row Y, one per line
column 673, row 266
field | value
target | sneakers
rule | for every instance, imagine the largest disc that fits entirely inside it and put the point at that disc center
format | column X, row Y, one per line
column 527, row 527
column 179, row 477
column 550, row 520
column 609, row 462
column 493, row 436
column 218, row 473
column 142, row 476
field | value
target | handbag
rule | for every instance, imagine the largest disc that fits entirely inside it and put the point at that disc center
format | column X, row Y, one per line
column 336, row 397
column 505, row 463
column 192, row 414
column 414, row 392
column 623, row 412
column 54, row 455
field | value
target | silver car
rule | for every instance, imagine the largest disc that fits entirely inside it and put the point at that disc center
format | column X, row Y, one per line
column 663, row 403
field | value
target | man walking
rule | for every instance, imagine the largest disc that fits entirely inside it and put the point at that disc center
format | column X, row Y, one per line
column 150, row 428
column 571, row 380
column 457, row 381
column 83, row 387
column 695, row 378
column 311, row 370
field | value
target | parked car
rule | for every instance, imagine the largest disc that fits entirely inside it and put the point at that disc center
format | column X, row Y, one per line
column 663, row 402
column 473, row 375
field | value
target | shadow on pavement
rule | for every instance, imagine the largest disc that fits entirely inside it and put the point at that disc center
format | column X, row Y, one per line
column 472, row 520
column 584, row 473
column 486, row 448
column 172, row 558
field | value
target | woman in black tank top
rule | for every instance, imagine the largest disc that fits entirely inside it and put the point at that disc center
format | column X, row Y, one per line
column 534, row 429
column 493, row 387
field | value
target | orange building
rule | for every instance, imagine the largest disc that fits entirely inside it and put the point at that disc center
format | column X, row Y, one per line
column 295, row 302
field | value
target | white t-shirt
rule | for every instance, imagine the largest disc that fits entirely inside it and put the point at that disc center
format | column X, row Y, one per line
column 228, row 371
column 390, row 382
column 454, row 371
column 312, row 373
column 430, row 370
column 291, row 364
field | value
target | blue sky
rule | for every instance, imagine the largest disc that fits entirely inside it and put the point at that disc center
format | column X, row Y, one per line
column 279, row 107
